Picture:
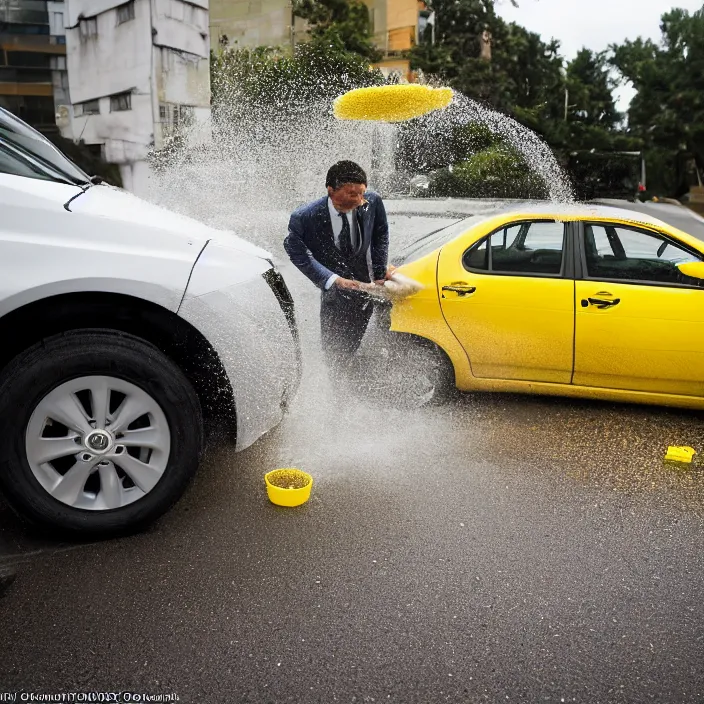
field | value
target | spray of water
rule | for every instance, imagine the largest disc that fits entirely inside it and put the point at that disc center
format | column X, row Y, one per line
column 526, row 144
column 254, row 168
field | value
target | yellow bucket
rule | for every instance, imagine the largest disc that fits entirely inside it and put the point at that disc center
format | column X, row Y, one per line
column 288, row 487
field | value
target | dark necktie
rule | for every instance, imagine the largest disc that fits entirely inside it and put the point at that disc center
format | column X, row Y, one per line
column 345, row 237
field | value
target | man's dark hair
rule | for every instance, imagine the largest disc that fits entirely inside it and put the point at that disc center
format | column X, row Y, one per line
column 345, row 172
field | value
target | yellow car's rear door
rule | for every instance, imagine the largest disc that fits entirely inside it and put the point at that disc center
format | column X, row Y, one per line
column 639, row 321
column 509, row 300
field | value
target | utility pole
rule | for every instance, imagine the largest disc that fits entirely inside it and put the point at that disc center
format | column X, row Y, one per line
column 293, row 27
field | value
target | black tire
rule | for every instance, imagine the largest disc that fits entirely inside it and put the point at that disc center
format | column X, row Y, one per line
column 404, row 371
column 55, row 360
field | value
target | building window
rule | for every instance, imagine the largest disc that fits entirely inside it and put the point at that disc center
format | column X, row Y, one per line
column 426, row 27
column 125, row 12
column 58, row 63
column 121, row 102
column 173, row 117
column 12, row 75
column 89, row 28
column 183, row 11
column 57, row 23
column 175, row 10
column 34, row 29
column 90, row 107
column 28, row 59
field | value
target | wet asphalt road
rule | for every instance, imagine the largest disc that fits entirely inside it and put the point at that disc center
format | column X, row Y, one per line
column 495, row 549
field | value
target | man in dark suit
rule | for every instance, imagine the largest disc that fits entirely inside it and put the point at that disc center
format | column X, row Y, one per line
column 341, row 243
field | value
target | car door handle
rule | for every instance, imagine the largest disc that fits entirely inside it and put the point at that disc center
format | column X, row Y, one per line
column 600, row 303
column 460, row 290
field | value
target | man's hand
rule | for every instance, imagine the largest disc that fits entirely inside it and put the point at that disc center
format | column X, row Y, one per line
column 347, row 284
column 389, row 272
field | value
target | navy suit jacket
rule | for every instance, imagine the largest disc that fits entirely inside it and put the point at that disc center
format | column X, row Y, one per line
column 310, row 243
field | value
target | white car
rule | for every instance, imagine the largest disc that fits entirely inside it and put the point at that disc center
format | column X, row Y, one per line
column 124, row 329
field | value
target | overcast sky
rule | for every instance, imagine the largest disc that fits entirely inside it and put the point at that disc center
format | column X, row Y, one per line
column 593, row 23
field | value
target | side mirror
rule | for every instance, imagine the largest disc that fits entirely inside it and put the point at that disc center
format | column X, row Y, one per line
column 693, row 269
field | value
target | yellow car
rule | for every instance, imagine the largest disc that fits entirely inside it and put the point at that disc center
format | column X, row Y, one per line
column 589, row 301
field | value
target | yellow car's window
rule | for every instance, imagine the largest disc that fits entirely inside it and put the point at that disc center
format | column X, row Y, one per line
column 530, row 248
column 622, row 253
column 476, row 257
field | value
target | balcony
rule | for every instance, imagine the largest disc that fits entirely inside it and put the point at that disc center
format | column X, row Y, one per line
column 22, row 75
column 42, row 90
column 31, row 42
column 395, row 42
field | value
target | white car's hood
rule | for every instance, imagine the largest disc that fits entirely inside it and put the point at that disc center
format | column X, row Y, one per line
column 116, row 204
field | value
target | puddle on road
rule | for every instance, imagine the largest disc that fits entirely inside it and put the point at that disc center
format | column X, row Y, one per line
column 601, row 445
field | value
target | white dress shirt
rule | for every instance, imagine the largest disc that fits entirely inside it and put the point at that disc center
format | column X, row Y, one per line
column 336, row 221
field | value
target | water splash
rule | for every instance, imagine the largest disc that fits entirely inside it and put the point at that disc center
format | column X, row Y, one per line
column 257, row 167
column 248, row 177
column 536, row 154
column 254, row 171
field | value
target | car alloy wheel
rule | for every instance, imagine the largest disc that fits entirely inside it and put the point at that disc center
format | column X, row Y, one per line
column 98, row 443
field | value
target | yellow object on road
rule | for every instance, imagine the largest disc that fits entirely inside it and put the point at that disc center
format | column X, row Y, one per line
column 391, row 103
column 288, row 487
column 680, row 454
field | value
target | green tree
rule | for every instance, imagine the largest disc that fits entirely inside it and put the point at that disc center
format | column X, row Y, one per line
column 534, row 79
column 345, row 23
column 591, row 115
column 525, row 77
column 282, row 84
column 519, row 70
column 455, row 55
column 667, row 113
column 495, row 172
column 591, row 90
column 499, row 64
column 421, row 148
column 521, row 75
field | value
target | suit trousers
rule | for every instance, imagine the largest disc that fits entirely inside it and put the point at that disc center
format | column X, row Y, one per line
column 344, row 318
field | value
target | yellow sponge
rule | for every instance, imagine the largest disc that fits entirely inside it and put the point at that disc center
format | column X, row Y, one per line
column 680, row 454
column 391, row 103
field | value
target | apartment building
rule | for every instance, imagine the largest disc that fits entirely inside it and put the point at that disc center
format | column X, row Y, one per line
column 137, row 72
column 33, row 76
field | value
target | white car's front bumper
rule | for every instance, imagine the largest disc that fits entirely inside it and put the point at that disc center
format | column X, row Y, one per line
column 253, row 332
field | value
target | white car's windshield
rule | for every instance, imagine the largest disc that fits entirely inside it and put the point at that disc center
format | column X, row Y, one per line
column 26, row 142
